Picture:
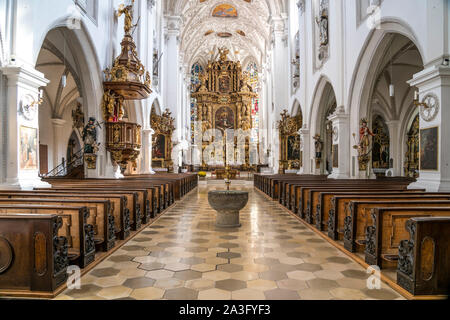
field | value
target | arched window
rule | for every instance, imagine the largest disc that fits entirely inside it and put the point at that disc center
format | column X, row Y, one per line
column 252, row 69
column 195, row 81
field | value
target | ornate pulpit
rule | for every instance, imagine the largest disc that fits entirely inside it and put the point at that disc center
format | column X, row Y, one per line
column 126, row 80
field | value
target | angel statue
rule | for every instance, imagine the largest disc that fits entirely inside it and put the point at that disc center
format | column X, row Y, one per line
column 223, row 53
column 128, row 12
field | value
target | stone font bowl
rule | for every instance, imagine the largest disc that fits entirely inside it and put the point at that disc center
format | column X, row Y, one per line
column 228, row 204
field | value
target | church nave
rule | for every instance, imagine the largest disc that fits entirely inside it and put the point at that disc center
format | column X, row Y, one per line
column 183, row 256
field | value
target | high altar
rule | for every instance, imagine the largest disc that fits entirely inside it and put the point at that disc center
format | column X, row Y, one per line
column 224, row 101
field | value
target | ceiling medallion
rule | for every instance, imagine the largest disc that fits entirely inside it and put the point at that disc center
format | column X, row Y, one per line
column 224, row 34
column 225, row 11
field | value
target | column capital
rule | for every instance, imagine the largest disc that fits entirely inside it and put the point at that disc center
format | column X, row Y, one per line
column 339, row 115
column 27, row 76
column 173, row 25
column 430, row 75
column 149, row 131
column 278, row 25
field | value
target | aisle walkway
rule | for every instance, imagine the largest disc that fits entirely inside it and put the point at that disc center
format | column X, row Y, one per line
column 183, row 256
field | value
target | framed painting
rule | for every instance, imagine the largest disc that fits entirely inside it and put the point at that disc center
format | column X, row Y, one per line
column 224, row 119
column 28, row 148
column 159, row 147
column 429, row 149
column 293, row 147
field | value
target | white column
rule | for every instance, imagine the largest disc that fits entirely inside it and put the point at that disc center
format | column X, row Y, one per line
column 171, row 87
column 281, row 83
column 341, row 135
column 22, row 85
column 58, row 145
column 147, row 150
column 305, row 139
column 395, row 147
column 435, row 81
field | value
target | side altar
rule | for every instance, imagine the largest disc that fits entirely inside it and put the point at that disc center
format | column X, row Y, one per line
column 224, row 101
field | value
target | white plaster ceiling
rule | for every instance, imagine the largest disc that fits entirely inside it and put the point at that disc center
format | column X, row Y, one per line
column 196, row 20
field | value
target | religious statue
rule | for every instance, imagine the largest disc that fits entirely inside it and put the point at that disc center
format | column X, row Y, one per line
column 364, row 134
column 113, row 110
column 203, row 77
column 245, row 125
column 128, row 12
column 245, row 82
column 90, row 136
column 78, row 117
column 223, row 52
column 322, row 22
column 148, row 80
column 108, row 74
column 318, row 144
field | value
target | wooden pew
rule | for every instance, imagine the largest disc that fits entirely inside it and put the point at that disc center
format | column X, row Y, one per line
column 34, row 254
column 304, row 200
column 160, row 188
column 424, row 258
column 355, row 219
column 79, row 234
column 100, row 211
column 145, row 203
column 135, row 199
column 318, row 197
column 121, row 213
column 387, row 229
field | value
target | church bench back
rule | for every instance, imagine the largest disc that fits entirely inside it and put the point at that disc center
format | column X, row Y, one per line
column 387, row 228
column 38, row 257
column 100, row 211
column 79, row 233
column 356, row 218
column 134, row 203
column 321, row 200
column 424, row 257
column 339, row 205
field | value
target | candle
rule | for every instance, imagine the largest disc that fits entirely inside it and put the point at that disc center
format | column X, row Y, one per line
column 416, row 95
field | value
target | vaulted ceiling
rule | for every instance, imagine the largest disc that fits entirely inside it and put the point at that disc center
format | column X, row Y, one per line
column 247, row 36
column 55, row 60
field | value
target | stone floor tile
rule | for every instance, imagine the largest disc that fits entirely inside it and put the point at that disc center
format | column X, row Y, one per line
column 150, row 293
column 115, row 292
column 281, row 294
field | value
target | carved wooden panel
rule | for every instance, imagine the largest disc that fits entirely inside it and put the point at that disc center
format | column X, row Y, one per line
column 6, row 255
column 427, row 253
column 40, row 253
